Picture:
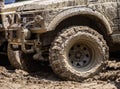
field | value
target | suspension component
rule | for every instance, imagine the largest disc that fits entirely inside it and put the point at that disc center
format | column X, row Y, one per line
column 25, row 34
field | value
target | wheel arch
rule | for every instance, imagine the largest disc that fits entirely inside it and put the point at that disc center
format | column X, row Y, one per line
column 81, row 12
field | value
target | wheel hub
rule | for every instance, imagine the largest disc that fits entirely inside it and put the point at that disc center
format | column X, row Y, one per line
column 79, row 55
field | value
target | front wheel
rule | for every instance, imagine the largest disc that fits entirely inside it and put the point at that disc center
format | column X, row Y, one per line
column 78, row 53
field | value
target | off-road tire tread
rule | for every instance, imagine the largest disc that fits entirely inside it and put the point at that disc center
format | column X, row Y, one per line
column 56, row 52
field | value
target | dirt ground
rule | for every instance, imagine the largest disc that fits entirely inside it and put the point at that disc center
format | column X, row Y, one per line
column 45, row 79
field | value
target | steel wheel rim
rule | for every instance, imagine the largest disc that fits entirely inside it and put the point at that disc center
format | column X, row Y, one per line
column 79, row 55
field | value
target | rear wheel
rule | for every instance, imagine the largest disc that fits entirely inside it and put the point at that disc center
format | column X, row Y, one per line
column 78, row 53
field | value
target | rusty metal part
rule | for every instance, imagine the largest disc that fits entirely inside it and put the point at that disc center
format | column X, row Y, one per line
column 23, row 41
column 38, row 25
column 37, row 30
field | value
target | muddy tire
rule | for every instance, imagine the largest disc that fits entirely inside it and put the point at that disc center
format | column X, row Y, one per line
column 78, row 53
column 19, row 59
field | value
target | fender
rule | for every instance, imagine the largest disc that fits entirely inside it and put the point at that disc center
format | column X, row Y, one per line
column 78, row 11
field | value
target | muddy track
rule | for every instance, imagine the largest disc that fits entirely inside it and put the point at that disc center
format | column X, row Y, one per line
column 45, row 79
column 111, row 73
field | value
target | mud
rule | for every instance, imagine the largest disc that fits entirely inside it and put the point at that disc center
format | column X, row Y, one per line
column 11, row 78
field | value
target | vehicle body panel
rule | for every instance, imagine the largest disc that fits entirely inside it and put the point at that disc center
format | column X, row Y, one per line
column 52, row 8
column 105, row 10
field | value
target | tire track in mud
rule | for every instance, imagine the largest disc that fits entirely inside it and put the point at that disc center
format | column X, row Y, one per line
column 111, row 73
column 46, row 79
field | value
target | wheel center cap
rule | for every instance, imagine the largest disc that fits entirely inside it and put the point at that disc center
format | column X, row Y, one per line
column 78, row 55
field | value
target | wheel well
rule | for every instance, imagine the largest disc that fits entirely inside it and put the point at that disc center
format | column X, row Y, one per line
column 77, row 20
column 84, row 20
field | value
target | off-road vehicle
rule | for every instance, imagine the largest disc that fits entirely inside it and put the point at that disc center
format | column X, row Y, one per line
column 75, row 36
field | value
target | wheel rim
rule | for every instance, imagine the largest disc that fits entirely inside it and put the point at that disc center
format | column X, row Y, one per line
column 79, row 55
